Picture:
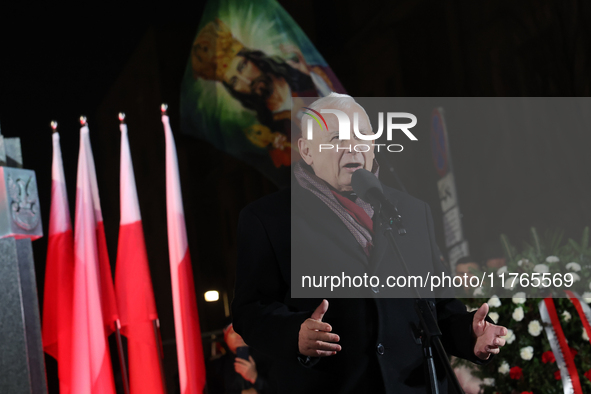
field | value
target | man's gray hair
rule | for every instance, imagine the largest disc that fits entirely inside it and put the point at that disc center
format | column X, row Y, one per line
column 335, row 101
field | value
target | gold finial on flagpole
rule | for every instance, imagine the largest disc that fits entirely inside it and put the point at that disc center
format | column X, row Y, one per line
column 164, row 109
column 53, row 126
column 82, row 120
column 122, row 117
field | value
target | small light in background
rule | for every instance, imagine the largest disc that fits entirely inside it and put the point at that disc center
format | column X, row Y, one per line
column 212, row 295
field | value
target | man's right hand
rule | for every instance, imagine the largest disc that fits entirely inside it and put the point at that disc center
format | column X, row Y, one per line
column 315, row 339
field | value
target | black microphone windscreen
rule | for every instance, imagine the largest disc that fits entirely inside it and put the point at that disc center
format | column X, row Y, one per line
column 363, row 181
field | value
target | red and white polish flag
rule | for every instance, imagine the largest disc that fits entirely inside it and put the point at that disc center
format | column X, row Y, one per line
column 108, row 300
column 91, row 361
column 133, row 285
column 186, row 318
column 59, row 274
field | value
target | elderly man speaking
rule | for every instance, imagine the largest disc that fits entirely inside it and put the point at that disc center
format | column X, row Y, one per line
column 364, row 344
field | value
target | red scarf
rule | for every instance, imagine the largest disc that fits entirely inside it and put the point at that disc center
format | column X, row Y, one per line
column 355, row 215
column 355, row 211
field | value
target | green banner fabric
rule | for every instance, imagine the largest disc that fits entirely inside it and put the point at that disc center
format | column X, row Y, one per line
column 247, row 61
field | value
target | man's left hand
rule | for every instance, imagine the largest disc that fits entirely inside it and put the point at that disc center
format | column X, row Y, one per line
column 246, row 368
column 488, row 336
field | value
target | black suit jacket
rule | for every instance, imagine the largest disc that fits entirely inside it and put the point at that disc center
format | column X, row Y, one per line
column 379, row 353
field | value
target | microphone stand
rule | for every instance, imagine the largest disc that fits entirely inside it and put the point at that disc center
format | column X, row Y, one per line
column 429, row 334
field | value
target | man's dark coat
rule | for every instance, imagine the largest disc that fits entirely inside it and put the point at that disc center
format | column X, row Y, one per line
column 379, row 353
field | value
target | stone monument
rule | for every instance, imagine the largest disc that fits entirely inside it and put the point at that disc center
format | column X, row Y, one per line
column 22, row 366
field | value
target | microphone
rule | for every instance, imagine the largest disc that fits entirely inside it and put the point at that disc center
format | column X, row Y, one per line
column 367, row 186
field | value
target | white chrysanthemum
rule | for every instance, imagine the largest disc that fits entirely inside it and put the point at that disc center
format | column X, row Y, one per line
column 534, row 328
column 522, row 261
column 526, row 353
column 541, row 268
column 494, row 316
column 518, row 314
column 519, row 298
column 584, row 335
column 509, row 283
column 502, row 270
column 504, row 368
column 566, row 316
column 494, row 302
column 510, row 337
column 552, row 259
column 488, row 381
column 574, row 275
column 587, row 297
column 573, row 266
column 478, row 292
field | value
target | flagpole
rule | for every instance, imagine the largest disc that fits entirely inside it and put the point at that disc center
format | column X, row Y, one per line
column 156, row 322
column 121, row 356
column 156, row 326
column 122, row 363
column 158, row 338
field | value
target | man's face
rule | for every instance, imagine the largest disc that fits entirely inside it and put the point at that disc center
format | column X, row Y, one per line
column 244, row 76
column 332, row 166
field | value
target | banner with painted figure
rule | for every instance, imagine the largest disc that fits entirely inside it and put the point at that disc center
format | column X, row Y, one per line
column 247, row 61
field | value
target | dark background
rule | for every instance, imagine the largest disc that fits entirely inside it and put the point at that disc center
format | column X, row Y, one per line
column 98, row 59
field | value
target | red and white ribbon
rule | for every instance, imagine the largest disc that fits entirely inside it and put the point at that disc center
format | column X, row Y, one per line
column 564, row 358
column 582, row 309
